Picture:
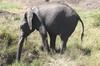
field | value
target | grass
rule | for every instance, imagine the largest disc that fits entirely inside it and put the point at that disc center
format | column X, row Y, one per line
column 9, row 6
column 86, row 53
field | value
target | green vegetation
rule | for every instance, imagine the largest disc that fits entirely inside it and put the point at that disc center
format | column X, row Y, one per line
column 6, row 5
column 96, row 17
column 86, row 53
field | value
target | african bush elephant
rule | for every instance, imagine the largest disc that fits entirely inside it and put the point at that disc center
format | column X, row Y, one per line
column 46, row 0
column 54, row 19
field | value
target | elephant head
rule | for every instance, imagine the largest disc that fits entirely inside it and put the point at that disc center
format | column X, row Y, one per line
column 28, row 24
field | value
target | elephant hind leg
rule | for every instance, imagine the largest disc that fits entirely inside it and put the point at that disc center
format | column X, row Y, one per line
column 64, row 40
column 52, row 41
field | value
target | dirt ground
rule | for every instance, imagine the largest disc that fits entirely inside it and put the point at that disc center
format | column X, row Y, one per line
column 89, row 4
column 86, row 4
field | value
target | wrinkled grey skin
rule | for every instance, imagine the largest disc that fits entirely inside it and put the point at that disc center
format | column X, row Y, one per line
column 55, row 18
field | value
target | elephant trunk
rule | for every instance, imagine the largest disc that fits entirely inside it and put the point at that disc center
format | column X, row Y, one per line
column 21, row 41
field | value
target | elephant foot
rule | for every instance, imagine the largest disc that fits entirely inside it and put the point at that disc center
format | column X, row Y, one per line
column 44, row 48
column 41, row 48
column 52, row 51
column 62, row 51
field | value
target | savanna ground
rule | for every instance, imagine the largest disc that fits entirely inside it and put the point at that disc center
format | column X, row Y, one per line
column 86, row 53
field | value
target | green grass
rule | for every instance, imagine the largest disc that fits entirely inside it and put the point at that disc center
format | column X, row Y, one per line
column 86, row 53
column 9, row 6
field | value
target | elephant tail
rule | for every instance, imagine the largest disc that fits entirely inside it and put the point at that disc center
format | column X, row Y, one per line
column 82, row 35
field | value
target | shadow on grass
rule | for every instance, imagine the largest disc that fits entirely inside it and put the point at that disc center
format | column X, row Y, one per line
column 85, row 51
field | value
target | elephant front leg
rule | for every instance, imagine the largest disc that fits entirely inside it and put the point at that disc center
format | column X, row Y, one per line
column 45, row 42
column 44, row 39
column 20, row 43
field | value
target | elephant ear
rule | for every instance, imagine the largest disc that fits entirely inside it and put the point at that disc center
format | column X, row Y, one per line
column 30, row 15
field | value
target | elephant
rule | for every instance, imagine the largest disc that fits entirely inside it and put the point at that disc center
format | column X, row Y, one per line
column 46, row 0
column 50, row 18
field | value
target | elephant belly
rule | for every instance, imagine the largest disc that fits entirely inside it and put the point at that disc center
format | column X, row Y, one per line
column 62, row 25
column 61, row 30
